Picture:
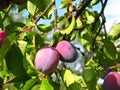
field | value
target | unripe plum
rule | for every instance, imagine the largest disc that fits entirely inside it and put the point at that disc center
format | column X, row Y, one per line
column 67, row 51
column 47, row 59
column 112, row 81
column 4, row 4
column 19, row 2
column 3, row 36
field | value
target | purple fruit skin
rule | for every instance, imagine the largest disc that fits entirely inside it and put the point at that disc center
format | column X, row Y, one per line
column 3, row 36
column 112, row 81
column 67, row 51
column 47, row 59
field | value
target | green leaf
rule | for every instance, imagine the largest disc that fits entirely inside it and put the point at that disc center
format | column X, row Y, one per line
column 29, row 67
column 85, row 38
column 109, row 50
column 14, row 27
column 29, row 22
column 7, row 45
column 9, row 86
column 14, row 62
column 89, row 17
column 45, row 85
column 29, row 84
column 69, row 29
column 68, row 77
column 45, row 28
column 79, row 22
column 89, row 76
column 74, row 86
column 64, row 3
column 36, row 87
column 37, row 6
column 94, row 2
column 115, row 30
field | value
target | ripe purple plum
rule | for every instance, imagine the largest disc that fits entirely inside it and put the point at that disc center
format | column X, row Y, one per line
column 112, row 81
column 3, row 36
column 4, row 4
column 67, row 51
column 47, row 59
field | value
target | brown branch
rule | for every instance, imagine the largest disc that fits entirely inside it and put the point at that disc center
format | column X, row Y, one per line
column 103, row 16
column 9, row 8
column 84, row 5
column 101, row 12
column 56, row 16
column 38, row 18
column 100, row 27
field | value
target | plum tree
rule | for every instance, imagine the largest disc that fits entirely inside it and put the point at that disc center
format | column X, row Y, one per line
column 3, row 36
column 19, row 2
column 112, row 81
column 4, row 4
column 47, row 59
column 67, row 51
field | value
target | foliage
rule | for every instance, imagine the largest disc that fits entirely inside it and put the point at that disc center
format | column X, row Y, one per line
column 27, row 33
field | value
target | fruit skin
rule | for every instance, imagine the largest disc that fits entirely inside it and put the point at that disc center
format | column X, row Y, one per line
column 3, row 36
column 4, row 4
column 47, row 59
column 19, row 2
column 112, row 81
column 67, row 51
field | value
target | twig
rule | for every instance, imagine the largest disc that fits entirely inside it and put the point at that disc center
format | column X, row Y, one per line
column 82, row 8
column 103, row 16
column 7, row 12
column 103, row 22
column 101, row 12
column 38, row 18
column 56, row 16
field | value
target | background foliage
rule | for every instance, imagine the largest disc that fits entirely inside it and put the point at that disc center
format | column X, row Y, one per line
column 80, row 24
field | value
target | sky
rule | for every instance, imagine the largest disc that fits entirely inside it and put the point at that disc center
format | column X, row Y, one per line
column 112, row 13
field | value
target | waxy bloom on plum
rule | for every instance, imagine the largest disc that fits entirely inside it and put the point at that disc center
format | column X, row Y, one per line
column 47, row 59
column 112, row 81
column 67, row 51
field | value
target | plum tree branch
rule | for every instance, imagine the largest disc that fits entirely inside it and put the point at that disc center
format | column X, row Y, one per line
column 100, row 27
column 7, row 12
column 84, row 5
column 103, row 16
column 38, row 18
column 101, row 12
column 56, row 16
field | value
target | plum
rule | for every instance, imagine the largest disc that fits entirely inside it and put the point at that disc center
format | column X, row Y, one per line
column 4, row 4
column 47, row 59
column 3, row 36
column 67, row 51
column 19, row 2
column 112, row 81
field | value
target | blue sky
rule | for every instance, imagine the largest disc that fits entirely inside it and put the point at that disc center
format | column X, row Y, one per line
column 112, row 12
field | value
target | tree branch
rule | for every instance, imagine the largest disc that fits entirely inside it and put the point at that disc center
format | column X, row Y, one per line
column 56, row 16
column 85, row 4
column 100, row 27
column 38, row 18
column 101, row 12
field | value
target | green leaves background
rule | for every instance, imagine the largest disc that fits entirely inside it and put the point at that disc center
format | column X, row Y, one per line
column 26, row 36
